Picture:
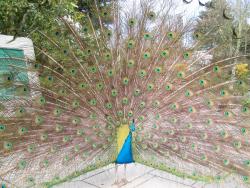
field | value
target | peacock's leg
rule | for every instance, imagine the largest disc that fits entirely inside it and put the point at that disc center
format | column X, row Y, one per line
column 125, row 171
column 116, row 175
column 124, row 180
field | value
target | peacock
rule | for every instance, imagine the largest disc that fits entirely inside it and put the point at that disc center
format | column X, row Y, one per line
column 129, row 86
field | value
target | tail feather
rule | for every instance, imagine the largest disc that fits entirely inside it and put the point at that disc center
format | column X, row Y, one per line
column 191, row 118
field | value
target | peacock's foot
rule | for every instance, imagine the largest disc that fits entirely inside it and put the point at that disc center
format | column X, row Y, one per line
column 124, row 181
column 116, row 183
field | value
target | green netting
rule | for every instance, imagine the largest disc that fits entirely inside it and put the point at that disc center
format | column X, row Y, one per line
column 13, row 74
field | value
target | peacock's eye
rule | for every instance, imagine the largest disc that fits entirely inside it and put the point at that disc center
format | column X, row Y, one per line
column 218, row 178
column 93, row 102
column 76, row 120
column 174, row 106
column 164, row 53
column 150, row 87
column 224, row 134
column 50, row 78
column 243, row 131
column 141, row 118
column 23, row 129
column 93, row 69
column 170, row 35
column 227, row 114
column 130, row 113
column 245, row 178
column 146, row 55
column 59, row 128
column 142, row 104
column 7, row 145
column 120, row 113
column 2, row 128
column 142, row 73
column 75, row 104
column 107, row 56
column 22, row 164
column 223, row 93
column 109, row 33
column 114, row 92
column 168, row 87
column 240, row 83
column 245, row 109
column 209, row 121
column 247, row 163
column 186, row 55
column 137, row 92
column 191, row 109
column 216, row 69
column 180, row 74
column 131, row 22
column 42, row 100
column 189, row 125
column 30, row 179
column 237, row 144
column 151, row 15
column 39, row 120
column 108, row 105
column 158, row 69
column 81, row 86
column 131, row 63
column 197, row 35
column 111, row 72
column 156, row 103
column 131, row 44
column 188, row 93
column 202, row 82
column 226, row 162
column 125, row 81
column 147, row 36
column 203, row 157
column 85, row 29
column 30, row 148
column 99, row 86
column 125, row 100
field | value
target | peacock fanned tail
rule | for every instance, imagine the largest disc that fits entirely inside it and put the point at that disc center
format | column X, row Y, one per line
column 191, row 117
